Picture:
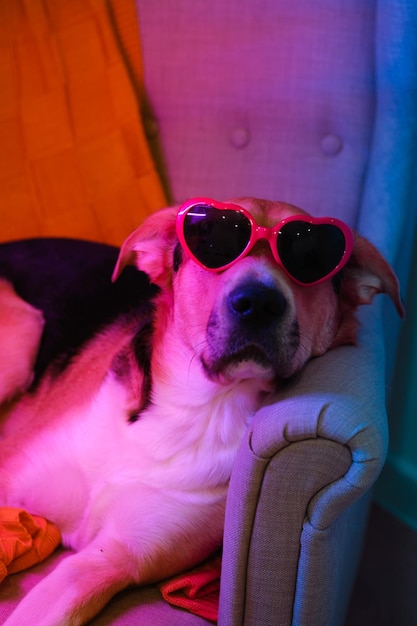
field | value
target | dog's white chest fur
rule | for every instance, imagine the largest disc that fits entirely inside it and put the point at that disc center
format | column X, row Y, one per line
column 79, row 467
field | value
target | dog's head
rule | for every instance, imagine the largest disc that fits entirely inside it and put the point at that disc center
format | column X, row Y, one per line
column 252, row 319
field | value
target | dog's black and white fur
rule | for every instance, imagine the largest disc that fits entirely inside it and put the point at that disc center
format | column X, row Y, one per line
column 140, row 395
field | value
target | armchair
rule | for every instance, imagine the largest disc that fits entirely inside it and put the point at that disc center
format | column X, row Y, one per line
column 280, row 100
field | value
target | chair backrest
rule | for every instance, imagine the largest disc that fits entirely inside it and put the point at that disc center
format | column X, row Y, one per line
column 272, row 99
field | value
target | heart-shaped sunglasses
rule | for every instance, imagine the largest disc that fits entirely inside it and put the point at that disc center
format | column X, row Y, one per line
column 309, row 249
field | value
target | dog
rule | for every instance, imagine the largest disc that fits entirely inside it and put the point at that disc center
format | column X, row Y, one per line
column 126, row 438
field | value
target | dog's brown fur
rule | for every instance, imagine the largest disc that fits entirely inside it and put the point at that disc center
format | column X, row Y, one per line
column 141, row 501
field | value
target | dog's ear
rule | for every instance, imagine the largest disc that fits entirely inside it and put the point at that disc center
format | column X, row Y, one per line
column 366, row 274
column 150, row 247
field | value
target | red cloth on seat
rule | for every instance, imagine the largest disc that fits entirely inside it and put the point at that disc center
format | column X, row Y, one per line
column 197, row 590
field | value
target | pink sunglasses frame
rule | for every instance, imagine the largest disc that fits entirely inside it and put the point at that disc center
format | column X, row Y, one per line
column 261, row 232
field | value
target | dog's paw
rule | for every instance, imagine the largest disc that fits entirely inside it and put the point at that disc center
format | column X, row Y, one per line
column 21, row 327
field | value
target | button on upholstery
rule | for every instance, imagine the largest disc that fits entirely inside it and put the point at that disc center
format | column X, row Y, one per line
column 240, row 137
column 331, row 145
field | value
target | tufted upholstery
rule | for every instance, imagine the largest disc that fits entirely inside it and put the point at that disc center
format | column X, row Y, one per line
column 271, row 99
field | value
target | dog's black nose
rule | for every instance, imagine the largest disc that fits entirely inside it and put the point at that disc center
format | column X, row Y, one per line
column 256, row 303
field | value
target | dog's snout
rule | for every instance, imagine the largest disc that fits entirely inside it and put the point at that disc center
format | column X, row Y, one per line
column 256, row 303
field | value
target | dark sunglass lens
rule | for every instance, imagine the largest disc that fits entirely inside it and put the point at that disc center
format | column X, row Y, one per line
column 310, row 252
column 216, row 237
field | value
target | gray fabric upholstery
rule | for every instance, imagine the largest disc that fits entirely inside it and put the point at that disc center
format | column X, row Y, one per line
column 273, row 99
column 279, row 513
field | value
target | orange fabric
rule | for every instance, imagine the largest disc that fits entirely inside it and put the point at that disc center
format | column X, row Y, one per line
column 24, row 540
column 74, row 160
column 196, row 591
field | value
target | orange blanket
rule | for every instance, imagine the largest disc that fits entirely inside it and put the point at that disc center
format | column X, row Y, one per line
column 74, row 160
column 24, row 540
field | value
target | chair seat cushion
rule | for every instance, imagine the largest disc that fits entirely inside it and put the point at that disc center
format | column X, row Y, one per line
column 137, row 605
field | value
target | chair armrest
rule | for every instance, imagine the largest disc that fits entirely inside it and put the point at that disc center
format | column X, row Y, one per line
column 305, row 460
